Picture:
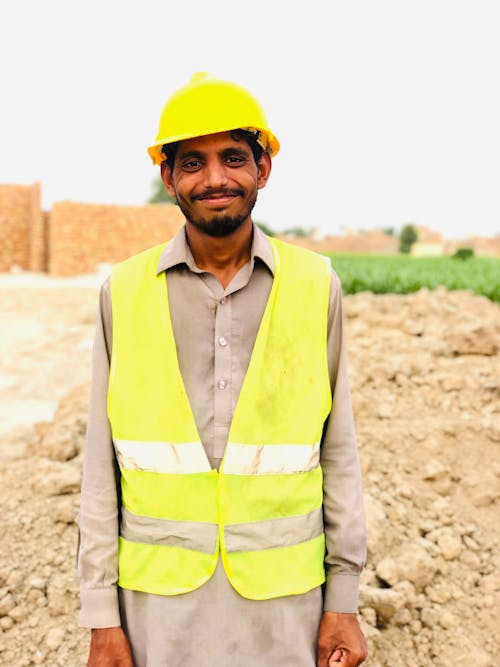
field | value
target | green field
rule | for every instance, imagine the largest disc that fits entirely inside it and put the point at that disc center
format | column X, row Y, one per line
column 402, row 274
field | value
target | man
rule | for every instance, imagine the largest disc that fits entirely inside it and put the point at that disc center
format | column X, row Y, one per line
column 221, row 475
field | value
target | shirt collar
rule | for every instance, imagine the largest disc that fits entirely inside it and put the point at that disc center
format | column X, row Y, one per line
column 177, row 252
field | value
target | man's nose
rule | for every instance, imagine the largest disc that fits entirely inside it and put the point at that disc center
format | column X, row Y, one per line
column 215, row 174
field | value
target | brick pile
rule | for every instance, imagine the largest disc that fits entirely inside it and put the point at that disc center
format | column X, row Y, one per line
column 22, row 228
column 76, row 238
column 82, row 236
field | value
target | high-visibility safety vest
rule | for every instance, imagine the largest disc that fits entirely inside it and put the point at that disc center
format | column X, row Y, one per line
column 263, row 510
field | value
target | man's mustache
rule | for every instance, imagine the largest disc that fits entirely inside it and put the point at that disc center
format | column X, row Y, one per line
column 218, row 193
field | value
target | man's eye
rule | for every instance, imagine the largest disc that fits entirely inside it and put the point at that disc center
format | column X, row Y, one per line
column 235, row 159
column 191, row 165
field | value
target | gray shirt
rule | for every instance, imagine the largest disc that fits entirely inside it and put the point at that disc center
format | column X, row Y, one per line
column 215, row 329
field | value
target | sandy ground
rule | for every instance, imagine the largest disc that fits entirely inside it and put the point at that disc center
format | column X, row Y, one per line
column 46, row 328
column 425, row 374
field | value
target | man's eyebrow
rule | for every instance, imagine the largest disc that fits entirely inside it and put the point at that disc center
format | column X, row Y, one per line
column 234, row 151
column 190, row 154
column 199, row 155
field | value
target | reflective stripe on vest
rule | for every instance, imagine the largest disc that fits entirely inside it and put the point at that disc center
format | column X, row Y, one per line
column 273, row 533
column 187, row 458
column 200, row 536
column 195, row 535
column 165, row 457
column 270, row 459
column 263, row 509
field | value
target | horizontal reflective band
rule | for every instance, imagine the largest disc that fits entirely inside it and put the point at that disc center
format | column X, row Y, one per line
column 194, row 535
column 270, row 459
column 165, row 457
column 274, row 533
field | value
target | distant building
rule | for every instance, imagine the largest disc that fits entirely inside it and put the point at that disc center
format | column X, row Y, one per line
column 373, row 242
column 428, row 236
column 430, row 243
column 419, row 249
column 482, row 246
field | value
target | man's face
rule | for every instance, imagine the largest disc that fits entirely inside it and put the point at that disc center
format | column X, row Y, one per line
column 215, row 181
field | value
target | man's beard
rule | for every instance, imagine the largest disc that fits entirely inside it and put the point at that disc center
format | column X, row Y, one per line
column 220, row 225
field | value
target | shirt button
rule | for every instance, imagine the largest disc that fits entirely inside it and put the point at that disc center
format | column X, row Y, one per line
column 222, row 384
column 222, row 341
column 223, row 300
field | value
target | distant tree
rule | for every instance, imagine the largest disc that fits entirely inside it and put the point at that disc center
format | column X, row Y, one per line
column 267, row 230
column 463, row 253
column 159, row 194
column 388, row 231
column 407, row 238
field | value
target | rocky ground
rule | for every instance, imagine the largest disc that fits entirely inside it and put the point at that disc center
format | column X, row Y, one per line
column 425, row 372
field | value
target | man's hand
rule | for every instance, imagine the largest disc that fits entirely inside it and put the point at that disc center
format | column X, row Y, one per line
column 109, row 647
column 340, row 641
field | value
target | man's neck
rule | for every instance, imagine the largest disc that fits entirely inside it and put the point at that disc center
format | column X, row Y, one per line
column 222, row 256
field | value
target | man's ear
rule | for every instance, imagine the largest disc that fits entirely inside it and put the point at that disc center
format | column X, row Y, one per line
column 166, row 177
column 264, row 167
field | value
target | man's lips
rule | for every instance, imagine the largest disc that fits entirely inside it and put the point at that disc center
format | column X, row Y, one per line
column 222, row 197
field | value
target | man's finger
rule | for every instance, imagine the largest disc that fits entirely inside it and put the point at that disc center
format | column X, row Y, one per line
column 336, row 658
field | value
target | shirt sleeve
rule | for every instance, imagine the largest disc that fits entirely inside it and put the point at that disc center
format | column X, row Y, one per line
column 343, row 505
column 98, row 516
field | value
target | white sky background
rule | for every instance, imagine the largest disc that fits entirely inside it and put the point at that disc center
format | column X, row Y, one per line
column 387, row 111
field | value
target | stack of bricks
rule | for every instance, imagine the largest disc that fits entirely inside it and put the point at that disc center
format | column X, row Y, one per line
column 74, row 238
column 83, row 236
column 22, row 229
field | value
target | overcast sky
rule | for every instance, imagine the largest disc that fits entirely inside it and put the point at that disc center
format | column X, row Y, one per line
column 387, row 111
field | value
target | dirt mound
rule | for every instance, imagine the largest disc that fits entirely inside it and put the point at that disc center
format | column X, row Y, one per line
column 425, row 374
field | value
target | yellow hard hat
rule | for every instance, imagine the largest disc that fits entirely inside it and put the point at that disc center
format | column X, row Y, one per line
column 207, row 105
